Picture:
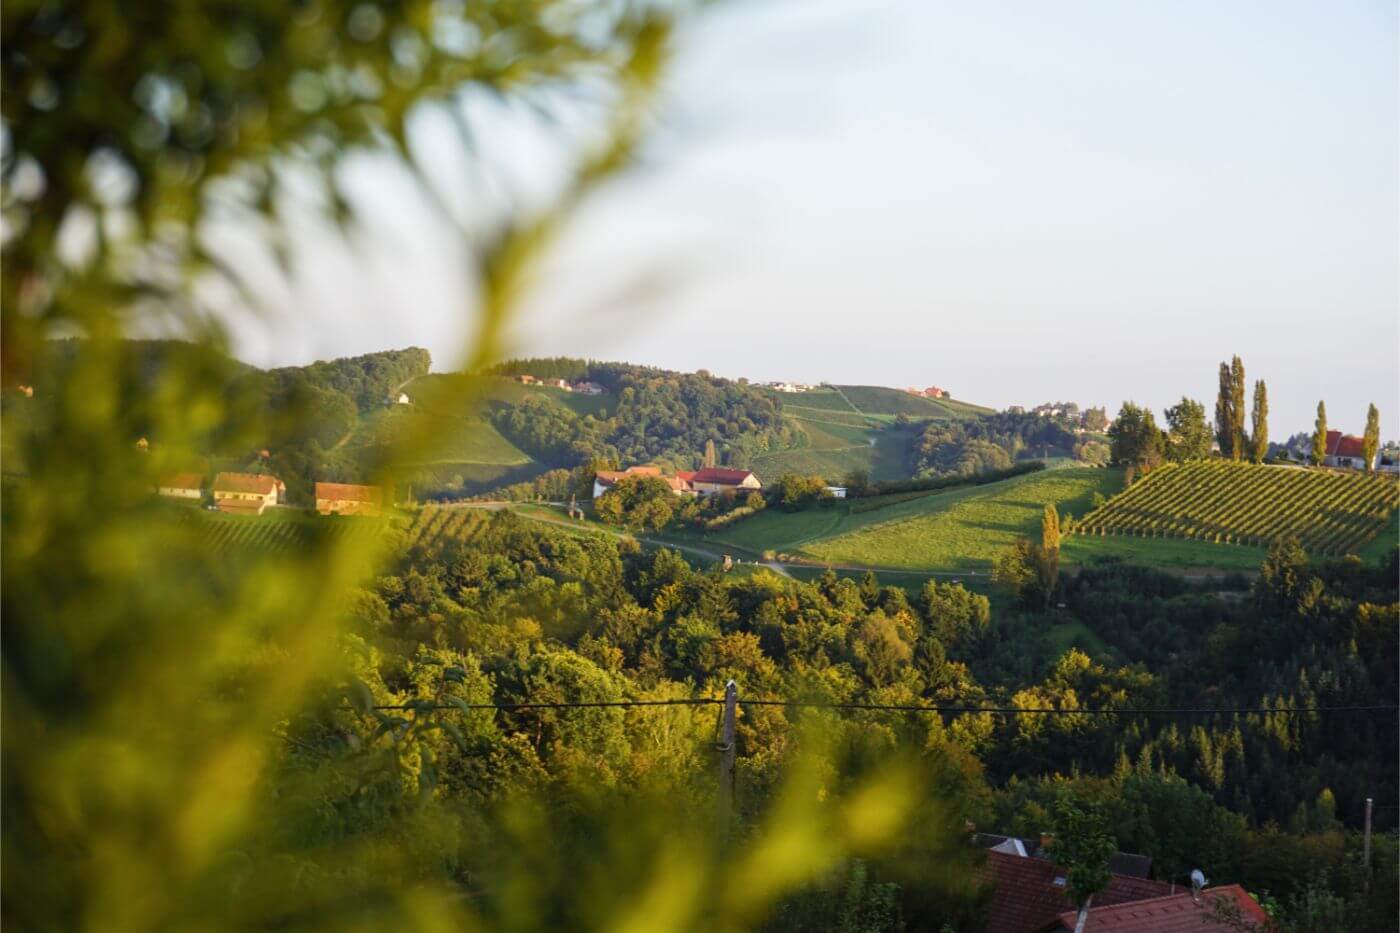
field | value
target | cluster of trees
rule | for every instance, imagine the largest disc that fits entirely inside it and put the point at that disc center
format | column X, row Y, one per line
column 994, row 442
column 1269, row 799
column 659, row 415
column 1138, row 442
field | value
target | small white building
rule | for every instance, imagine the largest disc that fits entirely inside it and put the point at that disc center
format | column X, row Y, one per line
column 837, row 492
column 403, row 399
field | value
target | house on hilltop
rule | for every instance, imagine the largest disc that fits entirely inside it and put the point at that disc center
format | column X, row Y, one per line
column 247, row 493
column 587, row 388
column 348, row 499
column 1345, row 451
column 181, row 486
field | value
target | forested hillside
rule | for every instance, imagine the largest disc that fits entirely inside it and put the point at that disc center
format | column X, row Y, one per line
column 1264, row 796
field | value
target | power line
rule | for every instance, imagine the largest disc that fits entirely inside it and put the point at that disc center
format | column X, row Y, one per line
column 583, row 704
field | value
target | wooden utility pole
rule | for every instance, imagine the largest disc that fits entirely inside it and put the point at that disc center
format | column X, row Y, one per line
column 726, row 759
column 1366, row 850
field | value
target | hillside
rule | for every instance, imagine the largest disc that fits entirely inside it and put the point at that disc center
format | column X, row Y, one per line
column 854, row 427
column 1331, row 513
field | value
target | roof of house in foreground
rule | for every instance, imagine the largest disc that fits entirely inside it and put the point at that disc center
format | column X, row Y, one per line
column 1029, row 899
column 1174, row 913
column 721, row 475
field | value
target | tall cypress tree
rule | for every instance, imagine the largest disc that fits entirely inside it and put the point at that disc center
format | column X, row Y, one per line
column 1319, row 451
column 1238, row 441
column 1049, row 553
column 1224, row 433
column 1371, row 440
column 1259, row 435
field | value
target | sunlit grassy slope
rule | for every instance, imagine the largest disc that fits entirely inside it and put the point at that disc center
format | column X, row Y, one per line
column 963, row 529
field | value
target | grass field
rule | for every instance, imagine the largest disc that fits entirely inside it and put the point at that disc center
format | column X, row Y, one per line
column 960, row 530
column 886, row 402
column 1331, row 513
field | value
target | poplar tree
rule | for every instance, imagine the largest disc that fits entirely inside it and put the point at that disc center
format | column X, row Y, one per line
column 1371, row 440
column 1239, row 443
column 1259, row 435
column 1319, row 451
column 710, row 456
column 1049, row 552
column 1224, row 419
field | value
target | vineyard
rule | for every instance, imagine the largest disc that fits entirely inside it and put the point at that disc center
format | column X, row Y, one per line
column 1240, row 503
column 276, row 533
column 435, row 527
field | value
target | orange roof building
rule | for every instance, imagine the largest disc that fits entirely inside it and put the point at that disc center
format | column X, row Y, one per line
column 348, row 499
column 243, row 493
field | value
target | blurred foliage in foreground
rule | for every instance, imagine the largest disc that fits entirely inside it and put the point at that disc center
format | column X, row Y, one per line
column 185, row 744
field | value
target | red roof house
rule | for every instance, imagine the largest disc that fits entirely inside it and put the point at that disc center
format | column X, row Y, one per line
column 711, row 480
column 1183, row 912
column 1345, row 450
column 1029, row 893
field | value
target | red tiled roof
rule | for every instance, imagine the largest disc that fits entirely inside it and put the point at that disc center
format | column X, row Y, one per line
column 1027, row 899
column 260, row 483
column 1344, row 445
column 182, row 481
column 347, row 492
column 1175, row 913
column 687, row 475
column 720, row 476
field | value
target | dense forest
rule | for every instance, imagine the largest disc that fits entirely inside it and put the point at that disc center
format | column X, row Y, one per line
column 1270, row 798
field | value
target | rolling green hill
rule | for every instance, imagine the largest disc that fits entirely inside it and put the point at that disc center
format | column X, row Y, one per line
column 1331, row 513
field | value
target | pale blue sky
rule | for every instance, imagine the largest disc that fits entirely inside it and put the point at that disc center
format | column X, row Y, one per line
column 1025, row 201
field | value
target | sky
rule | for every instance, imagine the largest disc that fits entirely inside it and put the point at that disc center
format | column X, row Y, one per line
column 1020, row 202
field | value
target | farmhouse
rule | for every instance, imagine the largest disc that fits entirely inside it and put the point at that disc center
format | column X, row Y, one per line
column 347, row 499
column 181, row 486
column 587, row 388
column 713, row 480
column 525, row 379
column 1344, row 450
column 606, row 479
column 247, row 493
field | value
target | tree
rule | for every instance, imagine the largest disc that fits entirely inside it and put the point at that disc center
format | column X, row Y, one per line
column 1082, row 846
column 1239, row 441
column 710, row 459
column 1188, row 435
column 857, row 482
column 1224, row 414
column 1319, row 440
column 1049, row 564
column 1136, row 439
column 1095, row 419
column 1371, row 440
column 1259, row 433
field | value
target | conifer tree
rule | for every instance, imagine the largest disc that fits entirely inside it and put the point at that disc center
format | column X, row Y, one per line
column 1239, row 443
column 1319, row 450
column 1259, row 434
column 1371, row 440
column 1224, row 418
column 710, row 458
